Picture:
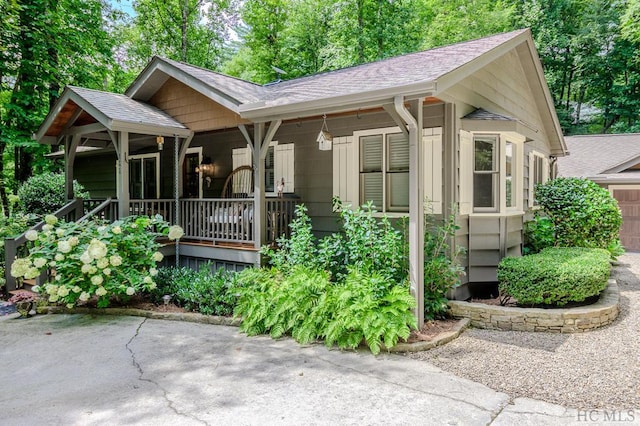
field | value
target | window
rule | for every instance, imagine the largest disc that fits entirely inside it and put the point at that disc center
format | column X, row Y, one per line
column 279, row 164
column 486, row 173
column 384, row 171
column 538, row 173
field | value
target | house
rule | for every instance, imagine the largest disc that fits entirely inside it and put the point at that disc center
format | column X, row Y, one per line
column 613, row 162
column 471, row 123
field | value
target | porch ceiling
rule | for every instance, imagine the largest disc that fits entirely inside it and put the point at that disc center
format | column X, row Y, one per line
column 84, row 111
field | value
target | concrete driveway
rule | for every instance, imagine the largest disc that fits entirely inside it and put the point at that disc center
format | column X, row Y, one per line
column 86, row 370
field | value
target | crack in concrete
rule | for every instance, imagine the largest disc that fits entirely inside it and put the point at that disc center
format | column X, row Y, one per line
column 406, row 386
column 165, row 394
column 495, row 416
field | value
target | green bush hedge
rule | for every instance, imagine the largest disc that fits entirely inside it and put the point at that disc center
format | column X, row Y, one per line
column 43, row 194
column 555, row 276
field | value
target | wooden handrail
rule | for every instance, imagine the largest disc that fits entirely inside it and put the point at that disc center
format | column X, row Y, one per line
column 106, row 203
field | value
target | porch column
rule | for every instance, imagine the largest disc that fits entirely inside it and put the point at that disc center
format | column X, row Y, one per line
column 70, row 146
column 123, row 173
column 414, row 124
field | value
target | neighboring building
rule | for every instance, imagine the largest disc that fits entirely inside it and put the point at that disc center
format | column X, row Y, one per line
column 613, row 162
column 472, row 123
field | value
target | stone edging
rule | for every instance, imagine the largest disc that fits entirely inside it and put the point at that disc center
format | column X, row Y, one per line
column 441, row 339
column 565, row 320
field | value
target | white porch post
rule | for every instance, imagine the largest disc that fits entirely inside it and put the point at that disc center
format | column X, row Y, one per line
column 416, row 201
column 123, row 176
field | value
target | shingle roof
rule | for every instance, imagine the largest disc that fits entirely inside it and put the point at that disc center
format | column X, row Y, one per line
column 481, row 114
column 122, row 108
column 398, row 71
column 597, row 155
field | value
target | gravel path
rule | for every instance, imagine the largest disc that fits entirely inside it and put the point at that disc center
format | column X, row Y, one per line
column 595, row 370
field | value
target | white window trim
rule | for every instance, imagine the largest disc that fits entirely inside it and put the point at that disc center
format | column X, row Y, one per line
column 384, row 131
column 197, row 150
column 545, row 175
column 155, row 155
column 518, row 176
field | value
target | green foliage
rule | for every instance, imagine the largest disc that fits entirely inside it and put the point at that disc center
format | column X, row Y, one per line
column 305, row 304
column 95, row 259
column 539, row 234
column 200, row 291
column 45, row 193
column 555, row 276
column 442, row 268
column 583, row 213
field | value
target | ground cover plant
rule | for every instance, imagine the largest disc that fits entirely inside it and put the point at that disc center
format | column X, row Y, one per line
column 346, row 288
column 575, row 212
column 204, row 291
column 555, row 277
column 95, row 259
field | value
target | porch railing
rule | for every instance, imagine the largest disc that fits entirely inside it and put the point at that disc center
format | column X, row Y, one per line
column 222, row 219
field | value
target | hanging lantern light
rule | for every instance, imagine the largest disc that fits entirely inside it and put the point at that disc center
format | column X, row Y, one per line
column 160, row 142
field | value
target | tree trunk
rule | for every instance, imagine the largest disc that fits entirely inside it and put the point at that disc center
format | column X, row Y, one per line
column 183, row 30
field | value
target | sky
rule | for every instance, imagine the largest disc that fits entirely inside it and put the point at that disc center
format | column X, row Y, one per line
column 124, row 5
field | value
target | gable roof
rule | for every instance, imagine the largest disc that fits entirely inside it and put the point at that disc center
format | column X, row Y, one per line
column 410, row 74
column 602, row 157
column 113, row 111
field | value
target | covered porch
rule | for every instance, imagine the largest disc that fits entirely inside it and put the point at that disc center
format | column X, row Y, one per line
column 149, row 153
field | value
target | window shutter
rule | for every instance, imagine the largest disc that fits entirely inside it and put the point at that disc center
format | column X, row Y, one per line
column 345, row 170
column 532, row 178
column 466, row 172
column 545, row 170
column 241, row 157
column 432, row 151
column 284, row 166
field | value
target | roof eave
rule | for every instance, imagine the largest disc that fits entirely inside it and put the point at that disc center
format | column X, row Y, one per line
column 148, row 129
column 262, row 112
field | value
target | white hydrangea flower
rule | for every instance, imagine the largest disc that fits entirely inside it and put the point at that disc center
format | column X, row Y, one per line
column 60, row 232
column 31, row 273
column 69, row 305
column 116, row 230
column 84, row 296
column 50, row 219
column 97, row 249
column 58, row 277
column 175, row 232
column 74, row 241
column 92, row 269
column 39, row 262
column 59, row 257
column 97, row 280
column 20, row 267
column 63, row 291
column 36, row 289
column 133, row 225
column 64, row 246
column 47, row 228
column 52, row 263
column 86, row 257
column 152, row 286
column 101, row 291
column 107, row 271
column 102, row 263
column 31, row 235
column 85, row 268
column 52, row 289
column 76, row 289
column 115, row 260
column 153, row 272
column 53, row 298
column 147, row 280
column 157, row 257
column 131, row 291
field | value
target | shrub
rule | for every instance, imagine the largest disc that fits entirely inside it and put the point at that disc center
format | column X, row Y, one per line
column 442, row 268
column 95, row 259
column 583, row 213
column 45, row 193
column 555, row 276
column 539, row 234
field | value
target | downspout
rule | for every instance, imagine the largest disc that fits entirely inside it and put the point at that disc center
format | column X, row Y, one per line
column 176, row 190
column 416, row 208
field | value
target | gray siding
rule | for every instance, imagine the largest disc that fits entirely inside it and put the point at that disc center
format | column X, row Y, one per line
column 490, row 239
column 97, row 174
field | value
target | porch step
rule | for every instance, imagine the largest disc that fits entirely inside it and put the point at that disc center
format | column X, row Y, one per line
column 28, row 284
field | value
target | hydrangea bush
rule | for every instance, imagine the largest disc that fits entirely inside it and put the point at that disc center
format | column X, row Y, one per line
column 95, row 258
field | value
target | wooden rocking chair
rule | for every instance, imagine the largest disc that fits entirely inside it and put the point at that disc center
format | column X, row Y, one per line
column 239, row 183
